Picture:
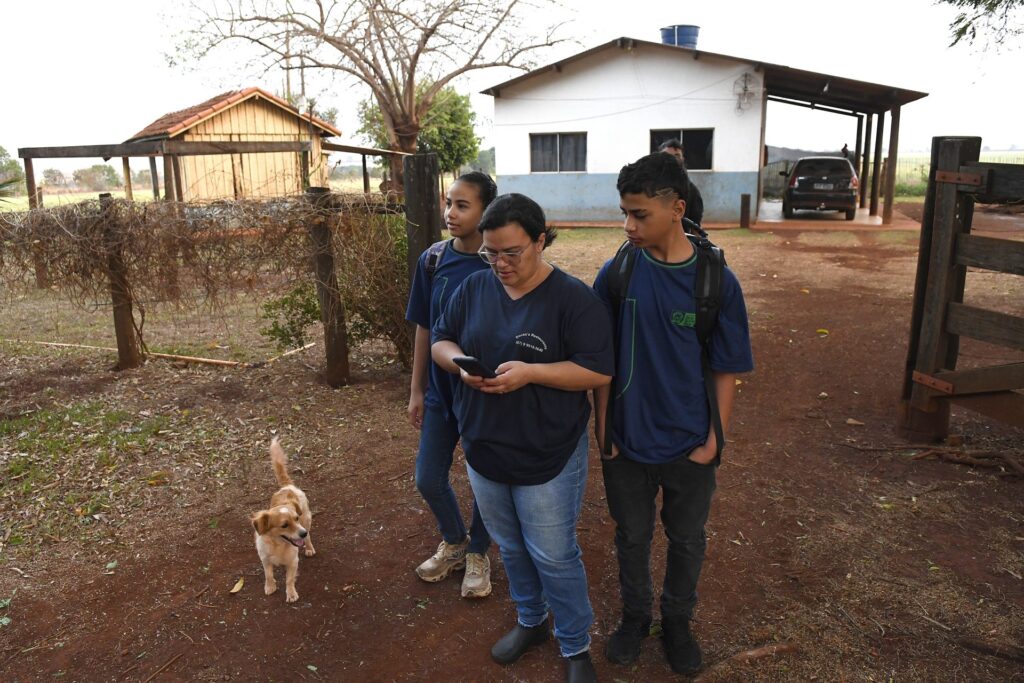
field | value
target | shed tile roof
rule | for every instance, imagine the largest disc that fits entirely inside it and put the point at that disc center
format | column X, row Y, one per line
column 176, row 122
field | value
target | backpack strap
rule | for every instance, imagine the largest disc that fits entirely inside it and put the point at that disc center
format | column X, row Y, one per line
column 434, row 253
column 707, row 294
column 619, row 275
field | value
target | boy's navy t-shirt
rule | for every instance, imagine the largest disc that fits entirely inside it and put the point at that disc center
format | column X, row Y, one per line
column 661, row 406
column 525, row 437
column 426, row 302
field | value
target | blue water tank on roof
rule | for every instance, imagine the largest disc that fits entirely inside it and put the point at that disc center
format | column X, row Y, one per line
column 683, row 35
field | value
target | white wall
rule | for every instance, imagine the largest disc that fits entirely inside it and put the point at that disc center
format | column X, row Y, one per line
column 617, row 96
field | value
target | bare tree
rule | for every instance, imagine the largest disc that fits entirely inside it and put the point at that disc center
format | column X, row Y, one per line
column 390, row 45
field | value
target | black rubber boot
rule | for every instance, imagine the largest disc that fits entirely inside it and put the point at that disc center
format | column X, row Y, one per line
column 681, row 649
column 624, row 644
column 517, row 641
column 580, row 669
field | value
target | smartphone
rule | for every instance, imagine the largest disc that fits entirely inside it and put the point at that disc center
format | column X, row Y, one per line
column 474, row 367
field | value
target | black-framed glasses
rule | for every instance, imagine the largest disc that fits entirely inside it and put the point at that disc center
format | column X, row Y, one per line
column 508, row 255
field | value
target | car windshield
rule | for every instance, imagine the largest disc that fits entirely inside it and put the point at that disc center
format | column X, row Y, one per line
column 823, row 167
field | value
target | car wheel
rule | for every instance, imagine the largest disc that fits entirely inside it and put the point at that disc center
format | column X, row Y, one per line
column 851, row 214
column 787, row 210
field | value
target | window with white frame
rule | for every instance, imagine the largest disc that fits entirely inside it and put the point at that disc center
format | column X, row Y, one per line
column 698, row 145
column 558, row 152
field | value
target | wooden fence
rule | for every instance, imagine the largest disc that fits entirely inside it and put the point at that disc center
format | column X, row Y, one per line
column 931, row 380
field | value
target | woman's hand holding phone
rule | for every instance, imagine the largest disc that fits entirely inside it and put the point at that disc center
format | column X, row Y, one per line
column 512, row 375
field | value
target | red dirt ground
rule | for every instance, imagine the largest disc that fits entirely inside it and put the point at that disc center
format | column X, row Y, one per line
column 823, row 533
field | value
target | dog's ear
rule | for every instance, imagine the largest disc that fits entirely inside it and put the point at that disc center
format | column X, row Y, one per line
column 261, row 522
column 295, row 506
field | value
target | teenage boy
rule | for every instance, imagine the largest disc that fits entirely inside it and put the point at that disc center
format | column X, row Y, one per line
column 662, row 432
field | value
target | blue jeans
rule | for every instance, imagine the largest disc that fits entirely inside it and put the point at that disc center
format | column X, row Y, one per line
column 433, row 463
column 535, row 528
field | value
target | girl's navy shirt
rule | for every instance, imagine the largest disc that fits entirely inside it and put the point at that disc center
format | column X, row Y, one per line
column 525, row 437
column 427, row 300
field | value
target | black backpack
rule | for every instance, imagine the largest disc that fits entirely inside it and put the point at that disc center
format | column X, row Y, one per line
column 434, row 252
column 710, row 269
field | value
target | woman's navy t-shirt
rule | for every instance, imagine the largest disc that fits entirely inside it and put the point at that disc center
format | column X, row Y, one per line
column 427, row 300
column 525, row 437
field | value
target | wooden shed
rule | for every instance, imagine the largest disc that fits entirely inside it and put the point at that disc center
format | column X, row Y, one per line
column 250, row 115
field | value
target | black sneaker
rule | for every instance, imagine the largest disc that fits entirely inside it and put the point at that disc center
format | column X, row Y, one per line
column 580, row 669
column 513, row 644
column 624, row 644
column 682, row 650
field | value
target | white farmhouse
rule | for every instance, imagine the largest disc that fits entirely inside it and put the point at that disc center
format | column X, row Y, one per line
column 562, row 132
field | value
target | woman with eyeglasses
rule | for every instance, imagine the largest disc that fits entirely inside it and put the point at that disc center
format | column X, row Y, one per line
column 548, row 339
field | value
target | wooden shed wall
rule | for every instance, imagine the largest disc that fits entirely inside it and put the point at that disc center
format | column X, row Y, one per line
column 224, row 176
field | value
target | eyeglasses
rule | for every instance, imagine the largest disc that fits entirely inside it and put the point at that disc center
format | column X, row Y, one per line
column 508, row 255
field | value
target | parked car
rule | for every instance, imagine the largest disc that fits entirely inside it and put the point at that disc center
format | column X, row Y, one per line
column 821, row 184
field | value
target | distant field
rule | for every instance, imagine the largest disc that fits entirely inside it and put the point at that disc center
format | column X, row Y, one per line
column 21, row 203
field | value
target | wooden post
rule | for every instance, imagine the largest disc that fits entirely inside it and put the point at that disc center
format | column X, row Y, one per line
column 168, row 179
column 332, row 308
column 127, row 170
column 939, row 282
column 890, row 178
column 154, row 177
column 864, row 163
column 171, row 193
column 884, row 177
column 129, row 353
column 304, row 170
column 366, row 177
column 179, row 191
column 422, row 206
column 875, row 173
column 744, row 210
column 38, row 259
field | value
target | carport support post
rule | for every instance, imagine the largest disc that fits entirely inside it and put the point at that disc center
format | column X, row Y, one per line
column 864, row 164
column 744, row 210
column 129, row 354
column 422, row 205
column 860, row 141
column 332, row 309
column 366, row 177
column 876, row 170
column 890, row 180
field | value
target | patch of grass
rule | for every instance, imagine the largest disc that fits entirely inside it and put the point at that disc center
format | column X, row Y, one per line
column 898, row 237
column 65, row 470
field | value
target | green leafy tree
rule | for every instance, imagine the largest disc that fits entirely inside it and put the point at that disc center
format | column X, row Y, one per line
column 484, row 161
column 11, row 173
column 998, row 20
column 97, row 177
column 53, row 176
column 391, row 46
column 142, row 177
column 447, row 128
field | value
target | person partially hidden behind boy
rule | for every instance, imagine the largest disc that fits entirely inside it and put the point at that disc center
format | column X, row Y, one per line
column 662, row 434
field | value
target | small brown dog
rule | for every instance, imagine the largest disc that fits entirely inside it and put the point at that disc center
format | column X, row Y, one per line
column 283, row 528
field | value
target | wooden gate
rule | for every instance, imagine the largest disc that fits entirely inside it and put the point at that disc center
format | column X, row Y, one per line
column 931, row 380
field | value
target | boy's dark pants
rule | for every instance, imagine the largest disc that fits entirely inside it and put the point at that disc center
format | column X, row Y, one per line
column 632, row 490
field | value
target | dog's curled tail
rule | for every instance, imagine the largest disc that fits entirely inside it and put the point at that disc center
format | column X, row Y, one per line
column 280, row 462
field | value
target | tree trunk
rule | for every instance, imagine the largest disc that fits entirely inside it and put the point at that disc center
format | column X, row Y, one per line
column 407, row 144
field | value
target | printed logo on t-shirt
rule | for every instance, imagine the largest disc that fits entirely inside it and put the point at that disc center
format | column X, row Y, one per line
column 531, row 341
column 684, row 319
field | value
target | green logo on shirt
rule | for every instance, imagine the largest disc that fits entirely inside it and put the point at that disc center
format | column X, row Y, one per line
column 684, row 319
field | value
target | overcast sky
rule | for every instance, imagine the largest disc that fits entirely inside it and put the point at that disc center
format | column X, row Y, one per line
column 95, row 72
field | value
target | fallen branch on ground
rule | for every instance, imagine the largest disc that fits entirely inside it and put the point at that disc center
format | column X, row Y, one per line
column 750, row 656
column 975, row 458
column 1004, row 650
